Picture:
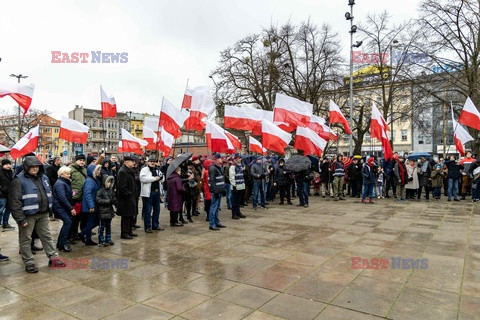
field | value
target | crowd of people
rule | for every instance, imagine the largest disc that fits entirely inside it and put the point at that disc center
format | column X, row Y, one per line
column 90, row 192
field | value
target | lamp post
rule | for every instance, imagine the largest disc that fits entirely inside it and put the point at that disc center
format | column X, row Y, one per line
column 353, row 29
column 391, row 90
column 19, row 76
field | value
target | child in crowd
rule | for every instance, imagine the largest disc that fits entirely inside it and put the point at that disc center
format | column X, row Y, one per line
column 317, row 183
column 105, row 201
column 379, row 182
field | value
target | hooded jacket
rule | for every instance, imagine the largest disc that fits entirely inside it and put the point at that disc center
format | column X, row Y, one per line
column 206, row 189
column 25, row 184
column 90, row 188
column 62, row 197
column 106, row 199
column 79, row 174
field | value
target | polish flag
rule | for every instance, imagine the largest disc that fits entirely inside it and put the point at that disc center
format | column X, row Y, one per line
column 460, row 135
column 242, row 118
column 151, row 137
column 378, row 125
column 310, row 142
column 200, row 102
column 291, row 111
column 131, row 143
column 172, row 118
column 327, row 133
column 166, row 142
column 73, row 131
column 267, row 115
column 151, row 122
column 21, row 93
column 255, row 146
column 28, row 143
column 109, row 106
column 217, row 139
column 234, row 140
column 336, row 116
column 316, row 123
column 470, row 115
column 120, row 147
column 274, row 138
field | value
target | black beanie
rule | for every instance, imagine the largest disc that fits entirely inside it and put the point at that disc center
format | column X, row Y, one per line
column 80, row 157
column 6, row 161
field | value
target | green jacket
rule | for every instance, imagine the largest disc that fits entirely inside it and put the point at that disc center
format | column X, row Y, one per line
column 78, row 179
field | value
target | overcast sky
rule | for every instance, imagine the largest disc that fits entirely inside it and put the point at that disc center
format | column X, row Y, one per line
column 167, row 42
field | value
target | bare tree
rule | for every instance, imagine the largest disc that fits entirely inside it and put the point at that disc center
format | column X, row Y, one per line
column 10, row 124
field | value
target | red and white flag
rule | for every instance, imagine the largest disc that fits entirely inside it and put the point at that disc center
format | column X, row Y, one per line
column 109, row 106
column 291, row 111
column 234, row 140
column 120, row 147
column 336, row 116
column 309, row 141
column 378, row 125
column 21, row 93
column 255, row 146
column 172, row 118
column 242, row 118
column 73, row 131
column 316, row 123
column 217, row 139
column 267, row 115
column 28, row 143
column 460, row 136
column 378, row 130
column 132, row 144
column 470, row 115
column 151, row 122
column 200, row 102
column 166, row 142
column 327, row 133
column 151, row 137
column 274, row 138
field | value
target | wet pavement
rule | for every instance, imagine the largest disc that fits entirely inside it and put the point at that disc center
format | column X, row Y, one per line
column 333, row 260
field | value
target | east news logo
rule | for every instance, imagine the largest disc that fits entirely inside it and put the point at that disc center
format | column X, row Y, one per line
column 92, row 57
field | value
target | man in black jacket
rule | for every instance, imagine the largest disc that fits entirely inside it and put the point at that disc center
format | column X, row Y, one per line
column 355, row 176
column 127, row 197
column 6, row 177
column 30, row 199
column 282, row 182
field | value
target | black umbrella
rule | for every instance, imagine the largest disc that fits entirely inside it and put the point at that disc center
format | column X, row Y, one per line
column 177, row 162
column 297, row 163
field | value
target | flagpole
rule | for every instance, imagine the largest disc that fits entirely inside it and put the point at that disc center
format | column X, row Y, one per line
column 454, row 129
column 158, row 129
column 104, row 137
column 188, row 131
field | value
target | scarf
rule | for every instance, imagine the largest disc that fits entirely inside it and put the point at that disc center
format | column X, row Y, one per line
column 401, row 168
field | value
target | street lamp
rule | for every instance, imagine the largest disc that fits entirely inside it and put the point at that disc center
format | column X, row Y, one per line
column 19, row 76
column 391, row 91
column 353, row 29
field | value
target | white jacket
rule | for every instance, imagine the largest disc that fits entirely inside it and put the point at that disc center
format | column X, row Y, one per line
column 146, row 179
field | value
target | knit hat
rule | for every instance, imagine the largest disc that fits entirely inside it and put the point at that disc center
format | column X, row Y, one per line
column 6, row 161
column 371, row 161
column 195, row 158
column 90, row 159
column 80, row 157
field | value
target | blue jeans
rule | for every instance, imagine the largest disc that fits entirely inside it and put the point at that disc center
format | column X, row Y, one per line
column 148, row 203
column 437, row 192
column 105, row 225
column 452, row 185
column 303, row 187
column 476, row 189
column 368, row 190
column 67, row 223
column 213, row 214
column 258, row 191
column 228, row 194
column 92, row 222
column 4, row 212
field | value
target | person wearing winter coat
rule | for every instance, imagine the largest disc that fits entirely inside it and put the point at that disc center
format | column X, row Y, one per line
column 282, row 182
column 338, row 170
column 175, row 192
column 30, row 199
column 6, row 177
column 78, row 176
column 424, row 179
column 325, row 178
column 368, row 174
column 207, row 195
column 380, row 178
column 355, row 177
column 237, row 183
column 412, row 185
column 259, row 173
column 151, row 178
column 63, row 206
column 106, row 169
column 106, row 199
column 437, row 181
column 401, row 176
column 453, row 176
column 217, row 187
column 304, row 181
column 89, row 205
column 127, row 197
